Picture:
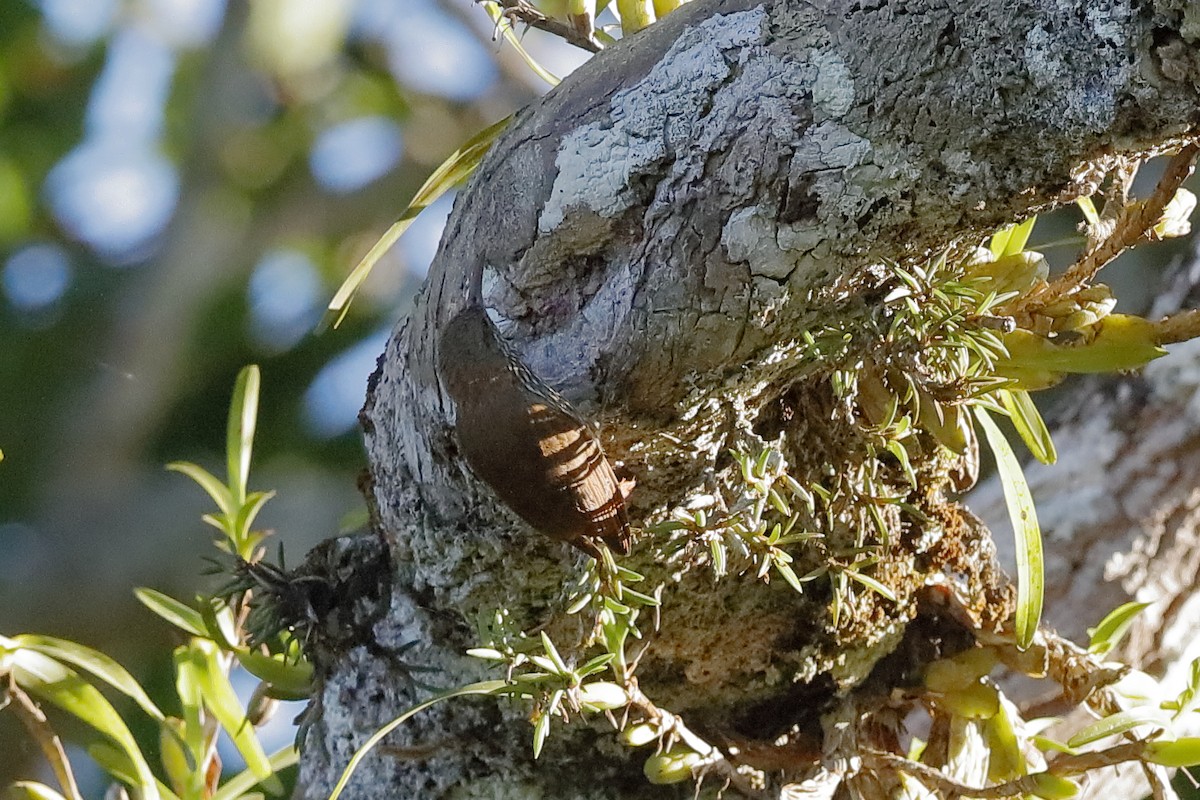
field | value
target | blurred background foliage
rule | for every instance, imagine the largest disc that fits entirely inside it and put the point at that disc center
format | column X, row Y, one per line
column 183, row 185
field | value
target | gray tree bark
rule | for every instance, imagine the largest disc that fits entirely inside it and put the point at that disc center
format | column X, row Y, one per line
column 656, row 234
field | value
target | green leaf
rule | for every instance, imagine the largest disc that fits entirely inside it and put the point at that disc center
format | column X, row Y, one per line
column 173, row 611
column 1121, row 722
column 1121, row 341
column 222, row 701
column 1030, row 569
column 285, row 676
column 1012, row 239
column 505, row 27
column 32, row 790
column 245, row 780
column 103, row 667
column 1089, row 210
column 1029, row 424
column 1182, row 752
column 48, row 680
column 1114, row 626
column 191, row 702
column 461, row 163
column 239, row 440
column 480, row 688
column 871, row 583
column 541, row 730
column 218, row 491
column 247, row 513
column 789, row 575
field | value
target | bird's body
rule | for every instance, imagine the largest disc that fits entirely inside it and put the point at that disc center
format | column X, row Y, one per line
column 526, row 442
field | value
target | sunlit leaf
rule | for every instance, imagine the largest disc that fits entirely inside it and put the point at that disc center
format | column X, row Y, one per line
column 1089, row 210
column 49, row 680
column 461, row 163
column 102, row 666
column 220, row 698
column 505, row 27
column 1121, row 722
column 1012, row 239
column 32, row 790
column 218, row 491
column 1108, row 634
column 1029, row 424
column 1030, row 569
column 173, row 611
column 245, row 780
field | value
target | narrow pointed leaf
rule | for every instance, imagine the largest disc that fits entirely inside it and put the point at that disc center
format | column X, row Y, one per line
column 1108, row 634
column 1029, row 424
column 218, row 491
column 245, row 780
column 461, row 163
column 481, row 688
column 48, row 680
column 222, row 701
column 173, row 611
column 32, row 790
column 1030, row 569
column 103, row 667
column 1121, row 722
column 239, row 442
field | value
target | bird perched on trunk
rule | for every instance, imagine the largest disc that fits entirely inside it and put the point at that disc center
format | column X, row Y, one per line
column 526, row 441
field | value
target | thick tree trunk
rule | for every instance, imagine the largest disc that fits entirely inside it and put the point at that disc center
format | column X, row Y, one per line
column 656, row 235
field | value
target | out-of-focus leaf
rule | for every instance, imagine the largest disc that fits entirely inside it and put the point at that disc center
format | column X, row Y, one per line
column 1121, row 722
column 239, row 442
column 1114, row 626
column 103, row 667
column 32, row 790
column 244, row 781
column 461, row 163
column 48, row 680
column 222, row 701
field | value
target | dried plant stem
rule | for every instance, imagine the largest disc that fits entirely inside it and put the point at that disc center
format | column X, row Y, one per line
column 1064, row 766
column 1131, row 226
column 715, row 762
column 39, row 728
column 1180, row 327
column 522, row 11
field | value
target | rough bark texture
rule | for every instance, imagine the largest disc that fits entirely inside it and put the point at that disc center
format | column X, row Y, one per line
column 656, row 234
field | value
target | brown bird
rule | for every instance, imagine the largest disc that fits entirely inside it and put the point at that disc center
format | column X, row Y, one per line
column 524, row 440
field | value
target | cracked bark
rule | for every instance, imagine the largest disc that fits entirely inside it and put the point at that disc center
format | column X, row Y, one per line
column 656, row 234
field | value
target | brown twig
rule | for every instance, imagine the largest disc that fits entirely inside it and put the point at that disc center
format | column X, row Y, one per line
column 522, row 11
column 1131, row 225
column 1064, row 766
column 39, row 728
column 1180, row 327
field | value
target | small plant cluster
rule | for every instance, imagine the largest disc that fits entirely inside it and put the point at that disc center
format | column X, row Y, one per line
column 976, row 732
column 66, row 675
